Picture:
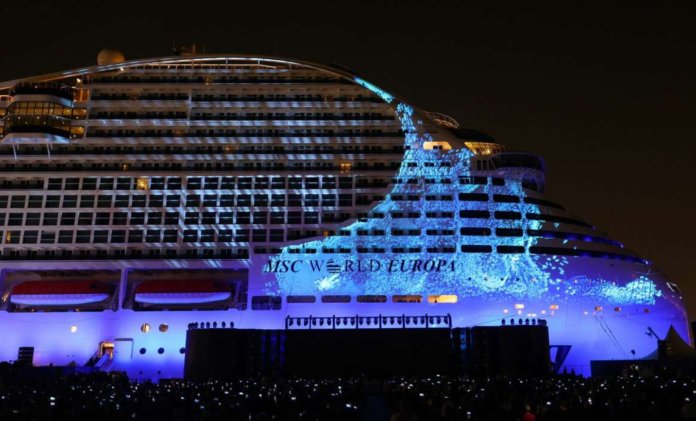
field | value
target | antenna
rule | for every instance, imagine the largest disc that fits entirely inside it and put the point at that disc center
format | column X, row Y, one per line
column 190, row 51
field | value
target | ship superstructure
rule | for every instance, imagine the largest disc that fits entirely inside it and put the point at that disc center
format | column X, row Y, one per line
column 137, row 197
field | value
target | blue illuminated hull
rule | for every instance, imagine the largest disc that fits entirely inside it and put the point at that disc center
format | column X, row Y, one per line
column 610, row 333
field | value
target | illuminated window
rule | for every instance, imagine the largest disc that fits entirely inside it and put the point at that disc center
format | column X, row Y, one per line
column 73, row 329
column 617, row 308
column 407, row 299
column 141, row 184
column 77, row 132
column 483, row 148
column 81, row 94
column 145, row 328
column 519, row 306
column 598, row 308
column 442, row 299
column 345, row 167
column 553, row 306
column 505, row 311
column 438, row 146
column 163, row 327
column 78, row 114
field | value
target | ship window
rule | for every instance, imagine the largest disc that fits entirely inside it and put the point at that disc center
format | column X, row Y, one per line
column 437, row 146
column 335, row 299
column 508, row 232
column 372, row 298
column 476, row 249
column 407, row 299
column 266, row 303
column 508, row 215
column 505, row 198
column 473, row 197
column 542, row 202
column 145, row 328
column 475, row 231
column 673, row 287
column 474, row 214
column 301, row 299
column 141, row 184
column 510, row 249
column 481, row 181
column 442, row 299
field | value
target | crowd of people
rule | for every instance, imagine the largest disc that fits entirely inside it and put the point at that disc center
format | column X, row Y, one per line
column 112, row 396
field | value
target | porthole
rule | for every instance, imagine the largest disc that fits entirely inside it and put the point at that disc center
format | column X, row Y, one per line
column 163, row 327
column 145, row 327
column 143, row 351
column 182, row 351
column 73, row 329
column 160, row 351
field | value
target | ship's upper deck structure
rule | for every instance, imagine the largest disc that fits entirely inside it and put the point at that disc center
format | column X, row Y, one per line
column 204, row 156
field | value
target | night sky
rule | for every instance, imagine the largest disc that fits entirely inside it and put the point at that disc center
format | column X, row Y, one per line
column 606, row 94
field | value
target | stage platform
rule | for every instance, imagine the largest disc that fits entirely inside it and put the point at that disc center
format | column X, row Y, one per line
column 228, row 353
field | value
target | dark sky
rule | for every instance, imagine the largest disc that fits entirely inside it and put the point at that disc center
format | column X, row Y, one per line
column 605, row 93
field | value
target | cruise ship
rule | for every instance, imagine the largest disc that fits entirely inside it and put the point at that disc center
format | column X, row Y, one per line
column 140, row 198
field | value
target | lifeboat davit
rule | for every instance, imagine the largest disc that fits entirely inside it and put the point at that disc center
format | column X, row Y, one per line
column 181, row 292
column 59, row 293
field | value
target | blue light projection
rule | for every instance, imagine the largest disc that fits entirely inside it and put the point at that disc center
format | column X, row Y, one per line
column 387, row 97
column 395, row 251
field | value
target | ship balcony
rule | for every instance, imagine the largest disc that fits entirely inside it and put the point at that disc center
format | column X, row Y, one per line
column 43, row 91
column 39, row 129
column 523, row 160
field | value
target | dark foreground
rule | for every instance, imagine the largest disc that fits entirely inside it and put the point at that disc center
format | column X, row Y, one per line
column 113, row 397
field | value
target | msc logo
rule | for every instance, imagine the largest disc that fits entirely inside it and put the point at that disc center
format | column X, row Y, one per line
column 283, row 266
column 333, row 267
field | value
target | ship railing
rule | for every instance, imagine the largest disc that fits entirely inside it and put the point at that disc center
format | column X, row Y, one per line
column 381, row 321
